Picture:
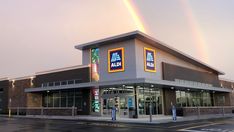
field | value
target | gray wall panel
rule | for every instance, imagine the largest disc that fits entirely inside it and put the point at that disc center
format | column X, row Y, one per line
column 86, row 57
column 130, row 62
column 161, row 56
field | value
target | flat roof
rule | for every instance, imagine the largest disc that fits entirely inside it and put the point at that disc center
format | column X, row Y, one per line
column 4, row 79
column 62, row 69
column 22, row 78
column 150, row 40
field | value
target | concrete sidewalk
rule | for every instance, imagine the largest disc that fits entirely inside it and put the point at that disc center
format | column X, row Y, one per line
column 155, row 120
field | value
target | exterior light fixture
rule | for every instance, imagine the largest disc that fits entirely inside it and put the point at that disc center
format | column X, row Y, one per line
column 188, row 89
column 152, row 86
column 172, row 88
column 13, row 83
column 31, row 81
column 48, row 91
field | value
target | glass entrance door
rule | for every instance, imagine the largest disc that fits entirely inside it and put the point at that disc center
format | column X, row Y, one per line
column 149, row 96
column 119, row 102
column 156, row 106
column 121, row 98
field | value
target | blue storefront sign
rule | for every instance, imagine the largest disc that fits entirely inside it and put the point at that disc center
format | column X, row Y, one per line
column 116, row 60
column 150, row 60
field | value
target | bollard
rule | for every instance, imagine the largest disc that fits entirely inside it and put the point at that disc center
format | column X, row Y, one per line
column 113, row 113
column 73, row 111
column 17, row 111
column 42, row 111
column 198, row 112
column 150, row 111
column 9, row 113
column 223, row 111
column 174, row 113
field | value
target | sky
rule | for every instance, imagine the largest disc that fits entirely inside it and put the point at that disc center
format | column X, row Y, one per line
column 40, row 35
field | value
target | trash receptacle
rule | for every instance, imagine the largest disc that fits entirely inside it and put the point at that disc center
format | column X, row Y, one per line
column 131, row 112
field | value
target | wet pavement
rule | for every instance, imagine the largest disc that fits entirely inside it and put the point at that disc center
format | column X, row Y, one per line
column 45, row 125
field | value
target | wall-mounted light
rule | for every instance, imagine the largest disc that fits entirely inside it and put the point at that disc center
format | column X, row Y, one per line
column 152, row 86
column 13, row 83
column 172, row 88
column 31, row 81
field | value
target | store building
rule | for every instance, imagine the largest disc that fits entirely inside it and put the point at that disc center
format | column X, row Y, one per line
column 133, row 72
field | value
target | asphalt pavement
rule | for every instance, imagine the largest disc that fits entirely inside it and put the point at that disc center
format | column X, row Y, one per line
column 47, row 125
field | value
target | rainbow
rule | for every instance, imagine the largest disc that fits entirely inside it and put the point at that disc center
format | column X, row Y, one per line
column 133, row 11
column 196, row 31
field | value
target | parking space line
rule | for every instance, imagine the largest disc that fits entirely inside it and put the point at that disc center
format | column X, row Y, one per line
column 187, row 129
column 186, row 124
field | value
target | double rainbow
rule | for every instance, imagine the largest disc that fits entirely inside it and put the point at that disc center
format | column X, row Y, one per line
column 193, row 24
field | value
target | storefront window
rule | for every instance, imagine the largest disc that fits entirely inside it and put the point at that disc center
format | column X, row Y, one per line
column 63, row 99
column 193, row 98
column 56, row 99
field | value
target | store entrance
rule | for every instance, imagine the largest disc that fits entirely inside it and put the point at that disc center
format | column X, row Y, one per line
column 155, row 106
column 119, row 102
column 122, row 99
column 147, row 97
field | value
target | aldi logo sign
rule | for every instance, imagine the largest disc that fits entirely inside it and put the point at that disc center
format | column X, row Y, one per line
column 116, row 60
column 150, row 59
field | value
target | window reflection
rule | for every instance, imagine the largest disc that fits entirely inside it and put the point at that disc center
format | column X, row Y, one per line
column 193, row 98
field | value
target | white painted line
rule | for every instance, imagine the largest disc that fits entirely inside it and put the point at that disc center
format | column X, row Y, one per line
column 187, row 129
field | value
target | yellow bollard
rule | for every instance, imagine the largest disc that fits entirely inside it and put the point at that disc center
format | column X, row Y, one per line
column 9, row 114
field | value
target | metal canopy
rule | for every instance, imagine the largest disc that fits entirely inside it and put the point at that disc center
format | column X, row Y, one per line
column 136, row 82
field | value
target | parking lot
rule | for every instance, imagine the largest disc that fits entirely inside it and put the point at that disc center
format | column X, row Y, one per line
column 39, row 125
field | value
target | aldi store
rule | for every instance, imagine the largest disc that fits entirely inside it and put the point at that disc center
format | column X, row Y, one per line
column 135, row 73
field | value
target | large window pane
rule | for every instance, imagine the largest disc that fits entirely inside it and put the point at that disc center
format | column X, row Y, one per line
column 56, row 99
